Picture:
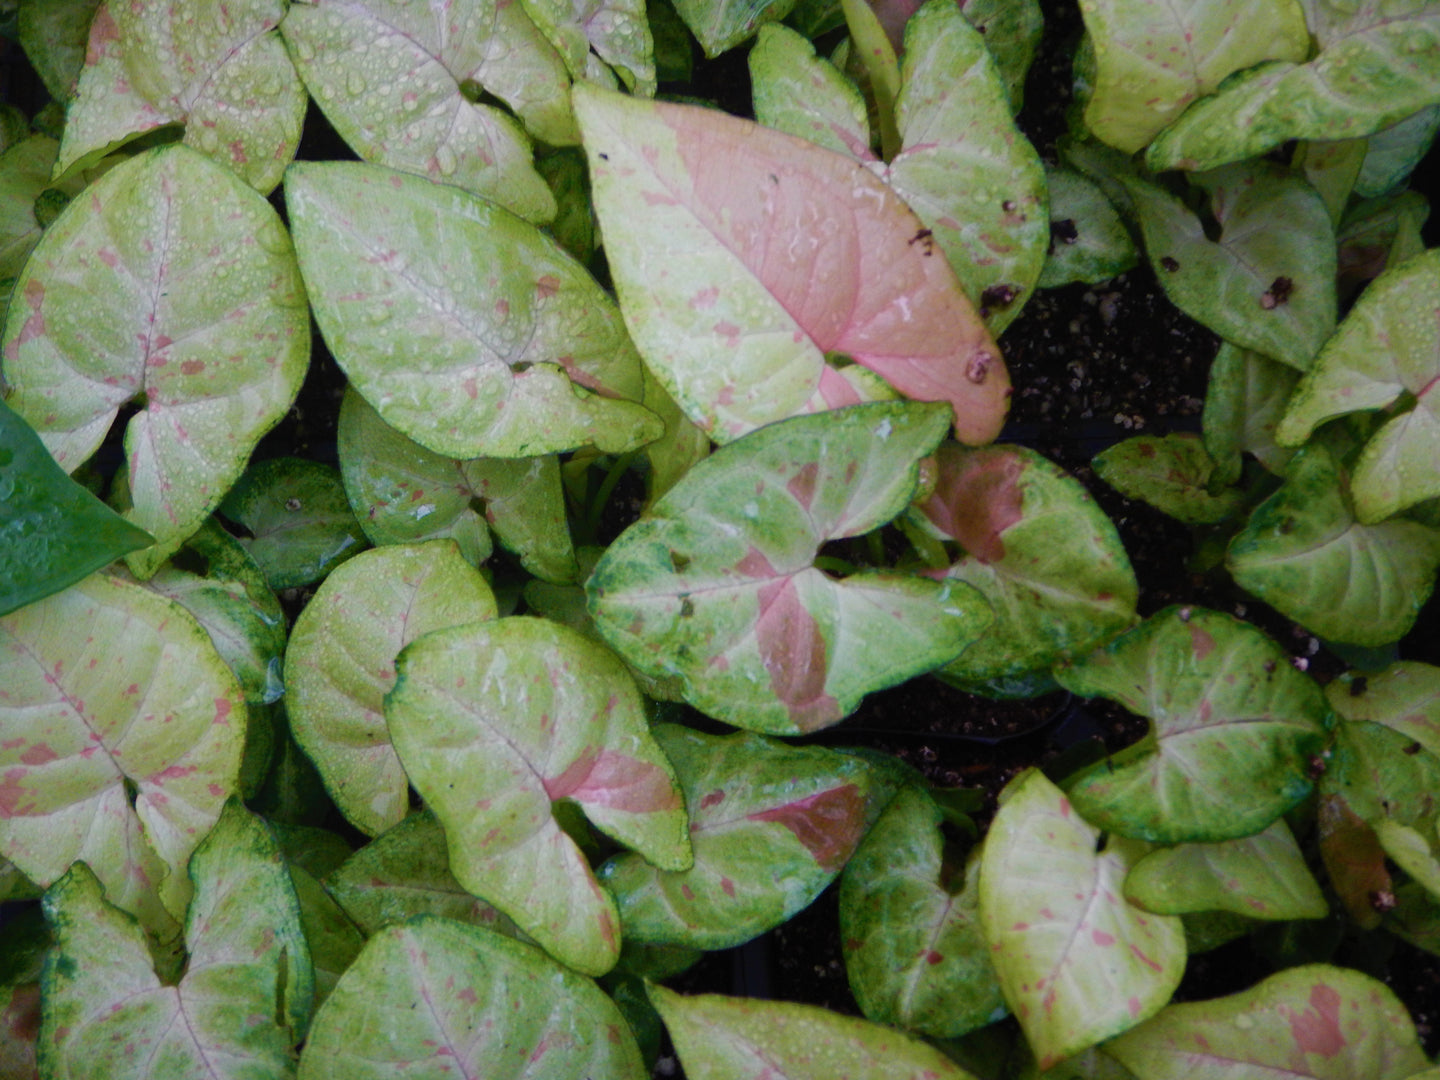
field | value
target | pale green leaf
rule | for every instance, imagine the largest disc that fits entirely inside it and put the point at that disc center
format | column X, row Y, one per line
column 1077, row 963
column 495, row 722
column 1012, row 30
column 333, row 939
column 26, row 196
column 603, row 41
column 217, row 68
column 1244, row 400
column 1315, row 1021
column 1305, row 553
column 752, row 300
column 1392, row 154
column 724, row 1038
column 771, row 825
column 1268, row 282
column 1234, row 726
column 1261, row 877
column 804, row 95
column 1088, row 240
column 341, row 664
column 174, row 283
column 719, row 25
column 1404, row 697
column 54, row 34
column 1172, row 473
column 1038, row 549
column 717, row 584
column 242, row 1004
column 492, row 1007
column 406, row 284
column 909, row 921
column 1154, row 59
column 1386, row 352
column 103, row 687
column 402, row 82
column 403, row 493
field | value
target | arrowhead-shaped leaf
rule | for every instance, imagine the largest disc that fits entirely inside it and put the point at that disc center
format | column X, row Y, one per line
column 298, row 518
column 102, row 687
column 771, row 825
column 494, row 723
column 243, row 1002
column 1172, row 473
column 1388, row 346
column 1304, row 553
column 54, row 35
column 1039, row 550
column 717, row 585
column 909, row 920
column 1314, row 1021
column 406, row 283
column 1077, row 962
column 216, row 67
column 173, row 282
column 1404, row 697
column 607, row 42
column 405, row 871
column 1233, row 729
column 752, row 300
column 802, row 94
column 432, row 997
column 1244, row 400
column 55, row 531
column 341, row 664
column 1261, row 877
column 1376, row 66
column 725, row 1038
column 1268, row 282
column 402, row 493
column 402, row 82
column 1152, row 60
column 720, row 25
column 1088, row 241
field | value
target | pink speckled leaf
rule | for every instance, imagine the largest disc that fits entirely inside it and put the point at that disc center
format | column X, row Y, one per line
column 434, row 998
column 496, row 721
column 1076, row 961
column 745, row 257
column 171, row 282
column 725, row 1038
column 341, row 662
column 216, row 67
column 104, row 687
column 1317, row 1021
column 247, row 990
column 717, row 586
column 772, row 825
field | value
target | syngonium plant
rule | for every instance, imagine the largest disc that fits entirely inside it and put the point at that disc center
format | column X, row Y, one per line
column 539, row 276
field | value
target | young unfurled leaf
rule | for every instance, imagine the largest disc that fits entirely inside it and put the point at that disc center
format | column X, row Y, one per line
column 771, row 825
column 1304, row 553
column 1268, row 282
column 405, row 871
column 495, row 722
column 466, row 328
column 752, row 302
column 1261, row 877
column 431, row 997
column 1077, row 962
column 1152, row 60
column 1374, row 68
column 1039, row 550
column 1234, row 727
column 103, row 687
column 174, row 283
column 1244, row 401
column 298, row 518
column 1386, row 352
column 1316, row 1021
column 221, row 586
column 717, row 585
column 1171, row 473
column 216, row 67
column 341, row 664
column 402, row 84
column 909, row 921
column 243, row 1002
column 724, row 1038
column 403, row 493
column 54, row 532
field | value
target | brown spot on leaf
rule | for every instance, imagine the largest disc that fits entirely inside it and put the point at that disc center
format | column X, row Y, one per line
column 1169, row 264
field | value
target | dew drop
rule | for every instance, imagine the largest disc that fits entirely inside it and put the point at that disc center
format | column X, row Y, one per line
column 445, row 161
column 209, row 141
column 355, row 83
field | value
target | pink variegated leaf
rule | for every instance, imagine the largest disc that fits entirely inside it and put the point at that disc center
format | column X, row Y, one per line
column 747, row 259
column 718, row 586
column 495, row 722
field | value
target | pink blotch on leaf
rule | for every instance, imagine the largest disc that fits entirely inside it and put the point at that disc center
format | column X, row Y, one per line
column 1101, row 938
column 192, row 367
column 39, row 754
column 215, row 789
column 728, row 886
column 828, row 823
column 802, row 485
column 977, row 498
column 1140, row 955
column 705, row 298
column 173, row 772
column 1201, row 642
column 12, row 791
column 615, row 781
column 658, row 198
column 547, row 287
column 1133, row 1005
column 713, row 799
column 222, row 710
column 933, row 957
column 730, row 332
column 1317, row 1029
